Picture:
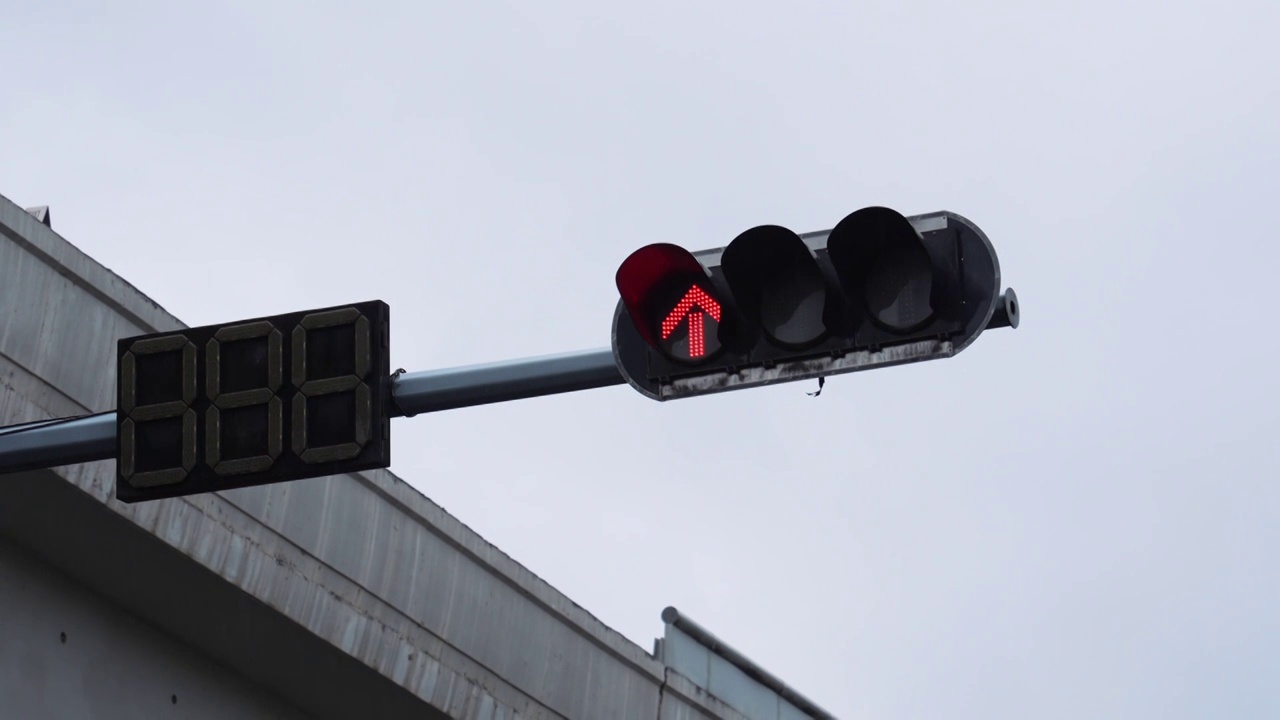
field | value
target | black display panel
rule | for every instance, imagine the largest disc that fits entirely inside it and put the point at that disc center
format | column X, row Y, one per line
column 253, row 402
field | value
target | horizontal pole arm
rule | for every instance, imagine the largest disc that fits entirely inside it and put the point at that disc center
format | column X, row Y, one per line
column 434, row 390
column 1005, row 313
column 61, row 441
column 66, row 441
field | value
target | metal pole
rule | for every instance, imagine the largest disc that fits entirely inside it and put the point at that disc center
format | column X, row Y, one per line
column 1005, row 313
column 61, row 441
column 65, row 441
column 434, row 390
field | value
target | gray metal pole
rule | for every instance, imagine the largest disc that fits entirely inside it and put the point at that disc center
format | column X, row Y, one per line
column 451, row 388
column 61, row 441
column 65, row 441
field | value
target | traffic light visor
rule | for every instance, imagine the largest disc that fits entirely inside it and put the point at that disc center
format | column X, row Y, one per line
column 671, row 302
column 775, row 279
column 884, row 267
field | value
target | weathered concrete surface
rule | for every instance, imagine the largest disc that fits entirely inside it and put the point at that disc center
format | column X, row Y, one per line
column 65, row 653
column 710, row 673
column 345, row 596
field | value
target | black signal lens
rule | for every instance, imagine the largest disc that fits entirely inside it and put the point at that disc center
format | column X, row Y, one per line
column 775, row 278
column 882, row 263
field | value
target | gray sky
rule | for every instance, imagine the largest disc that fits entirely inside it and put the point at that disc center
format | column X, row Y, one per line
column 1075, row 519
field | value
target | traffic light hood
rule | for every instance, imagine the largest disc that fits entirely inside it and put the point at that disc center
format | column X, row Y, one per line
column 657, row 279
column 774, row 277
column 885, row 269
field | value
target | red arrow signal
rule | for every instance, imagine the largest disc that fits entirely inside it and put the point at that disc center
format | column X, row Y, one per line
column 693, row 305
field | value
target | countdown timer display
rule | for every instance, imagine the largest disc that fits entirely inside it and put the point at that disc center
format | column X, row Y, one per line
column 253, row 402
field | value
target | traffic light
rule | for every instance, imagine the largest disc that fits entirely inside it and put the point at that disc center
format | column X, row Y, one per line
column 878, row 289
column 253, row 402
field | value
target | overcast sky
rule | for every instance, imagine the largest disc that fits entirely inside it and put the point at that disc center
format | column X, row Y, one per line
column 1076, row 519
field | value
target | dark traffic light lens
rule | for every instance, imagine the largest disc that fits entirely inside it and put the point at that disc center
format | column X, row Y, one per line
column 898, row 286
column 882, row 262
column 776, row 280
column 791, row 307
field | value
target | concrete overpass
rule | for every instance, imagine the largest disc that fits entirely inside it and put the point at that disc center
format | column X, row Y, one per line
column 351, row 596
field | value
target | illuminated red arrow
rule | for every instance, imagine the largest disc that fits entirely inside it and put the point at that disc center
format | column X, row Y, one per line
column 694, row 304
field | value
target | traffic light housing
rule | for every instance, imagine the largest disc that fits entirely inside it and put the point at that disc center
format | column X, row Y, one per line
column 253, row 402
column 878, row 289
